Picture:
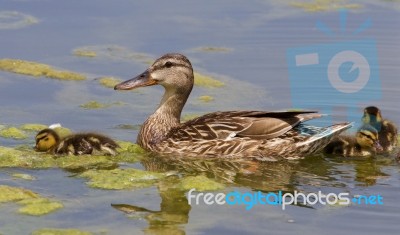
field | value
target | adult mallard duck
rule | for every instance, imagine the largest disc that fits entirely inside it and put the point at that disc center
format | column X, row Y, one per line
column 364, row 143
column 49, row 141
column 387, row 130
column 254, row 134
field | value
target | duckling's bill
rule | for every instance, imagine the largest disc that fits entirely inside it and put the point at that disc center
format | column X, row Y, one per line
column 144, row 79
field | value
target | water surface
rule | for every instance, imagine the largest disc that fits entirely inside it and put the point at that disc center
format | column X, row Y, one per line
column 255, row 71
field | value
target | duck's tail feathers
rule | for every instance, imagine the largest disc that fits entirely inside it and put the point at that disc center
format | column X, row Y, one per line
column 309, row 116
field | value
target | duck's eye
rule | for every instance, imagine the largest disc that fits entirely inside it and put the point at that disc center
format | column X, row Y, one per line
column 168, row 64
column 46, row 139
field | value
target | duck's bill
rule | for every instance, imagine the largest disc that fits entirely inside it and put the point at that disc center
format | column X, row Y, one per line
column 142, row 80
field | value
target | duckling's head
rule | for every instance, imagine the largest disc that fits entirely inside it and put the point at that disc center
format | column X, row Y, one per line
column 46, row 140
column 372, row 115
column 173, row 71
column 367, row 137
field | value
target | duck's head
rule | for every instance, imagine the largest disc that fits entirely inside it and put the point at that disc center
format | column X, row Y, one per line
column 172, row 71
column 46, row 140
column 372, row 115
column 367, row 137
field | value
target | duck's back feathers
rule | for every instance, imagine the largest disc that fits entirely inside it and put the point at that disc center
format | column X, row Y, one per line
column 86, row 143
column 240, row 124
column 388, row 136
column 254, row 134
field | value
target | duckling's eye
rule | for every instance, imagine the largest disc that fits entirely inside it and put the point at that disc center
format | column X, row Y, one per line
column 46, row 139
column 168, row 64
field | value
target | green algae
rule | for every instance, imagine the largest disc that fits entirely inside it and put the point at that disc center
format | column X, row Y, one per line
column 16, row 20
column 56, row 231
column 128, row 127
column 116, row 52
column 25, row 157
column 206, row 81
column 84, row 53
column 10, row 157
column 206, row 98
column 93, row 105
column 41, row 206
column 82, row 163
column 62, row 131
column 109, row 82
column 32, row 203
column 11, row 194
column 33, row 127
column 200, row 183
column 213, row 49
column 23, row 176
column 325, row 5
column 128, row 152
column 38, row 69
column 13, row 133
column 189, row 116
column 121, row 178
column 97, row 105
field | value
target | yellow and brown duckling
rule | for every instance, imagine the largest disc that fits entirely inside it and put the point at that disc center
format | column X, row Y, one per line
column 49, row 141
column 261, row 135
column 387, row 130
column 364, row 143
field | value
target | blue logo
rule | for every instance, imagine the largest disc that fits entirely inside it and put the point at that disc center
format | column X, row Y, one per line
column 341, row 74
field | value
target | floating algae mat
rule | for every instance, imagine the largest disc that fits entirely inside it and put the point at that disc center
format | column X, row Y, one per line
column 200, row 183
column 56, row 231
column 23, row 176
column 189, row 116
column 13, row 133
column 33, row 127
column 37, row 69
column 206, row 98
column 213, row 49
column 112, row 52
column 32, row 203
column 16, row 20
column 27, row 158
column 206, row 81
column 20, row 133
column 97, row 105
column 109, row 82
column 84, row 53
column 325, row 5
column 121, row 178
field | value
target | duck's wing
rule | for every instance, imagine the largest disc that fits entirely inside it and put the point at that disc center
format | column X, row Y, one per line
column 240, row 124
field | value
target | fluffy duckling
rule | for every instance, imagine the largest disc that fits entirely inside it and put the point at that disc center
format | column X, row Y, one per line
column 364, row 143
column 387, row 130
column 48, row 140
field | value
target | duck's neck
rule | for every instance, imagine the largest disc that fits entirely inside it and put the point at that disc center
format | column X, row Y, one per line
column 166, row 117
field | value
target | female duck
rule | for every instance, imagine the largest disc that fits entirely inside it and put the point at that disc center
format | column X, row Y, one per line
column 254, row 134
column 365, row 143
column 387, row 130
column 48, row 140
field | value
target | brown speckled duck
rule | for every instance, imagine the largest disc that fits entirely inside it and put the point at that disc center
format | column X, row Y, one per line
column 387, row 130
column 258, row 135
column 48, row 140
column 364, row 143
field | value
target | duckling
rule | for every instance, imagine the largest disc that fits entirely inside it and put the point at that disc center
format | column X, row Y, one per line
column 48, row 140
column 364, row 143
column 387, row 130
